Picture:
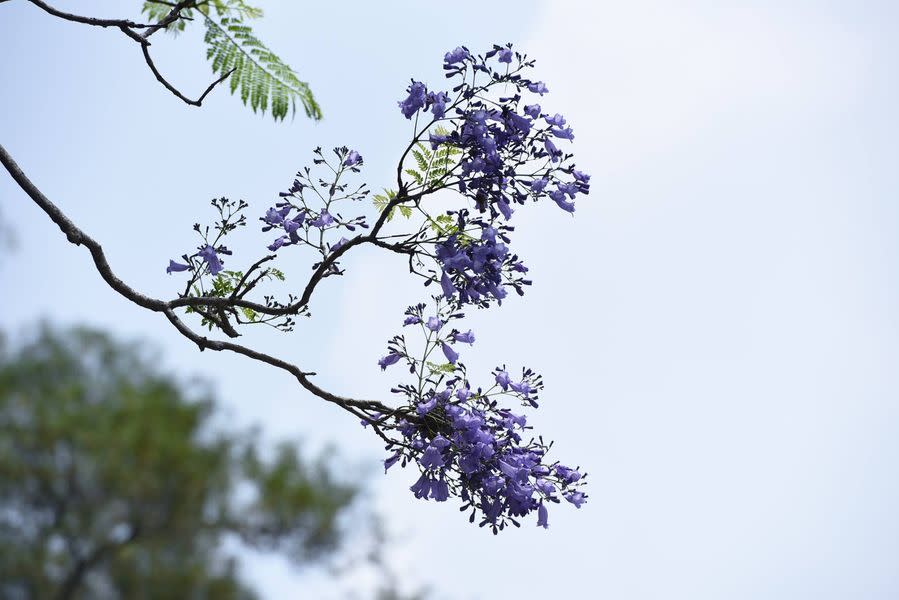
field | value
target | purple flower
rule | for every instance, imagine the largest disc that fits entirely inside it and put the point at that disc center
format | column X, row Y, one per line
column 439, row 490
column 522, row 124
column 208, row 254
column 556, row 120
column 446, row 284
column 502, row 378
column 365, row 422
column 505, row 55
column 175, row 267
column 559, row 198
column 510, row 471
column 538, row 87
column 437, row 139
column 411, row 320
column 538, row 185
column 533, row 110
column 521, row 388
column 388, row 360
column 542, row 516
column 567, row 475
column 504, row 208
column 440, row 442
column 438, row 103
column 571, row 189
column 415, row 100
column 339, row 244
column 322, row 220
column 450, row 354
column 352, row 159
column 426, row 407
column 540, row 471
column 554, row 153
column 275, row 216
column 294, row 224
column 278, row 243
column 580, row 176
column 576, row 498
column 434, row 323
column 456, row 55
column 546, row 487
column 422, row 487
column 392, row 460
column 467, row 338
column 431, row 458
column 565, row 134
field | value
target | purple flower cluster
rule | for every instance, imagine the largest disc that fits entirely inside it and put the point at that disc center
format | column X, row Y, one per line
column 488, row 139
column 475, row 270
column 508, row 154
column 465, row 442
column 420, row 98
column 208, row 257
column 308, row 206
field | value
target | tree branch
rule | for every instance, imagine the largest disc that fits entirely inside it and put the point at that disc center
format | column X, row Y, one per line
column 173, row 89
column 90, row 20
column 317, row 276
column 78, row 237
column 128, row 27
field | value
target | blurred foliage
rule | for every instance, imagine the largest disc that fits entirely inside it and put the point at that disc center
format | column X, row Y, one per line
column 115, row 483
column 7, row 237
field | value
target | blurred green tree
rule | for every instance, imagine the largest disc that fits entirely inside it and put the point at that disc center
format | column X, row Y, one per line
column 116, row 483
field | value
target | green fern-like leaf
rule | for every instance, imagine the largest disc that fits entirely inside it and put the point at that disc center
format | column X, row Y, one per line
column 437, row 369
column 418, row 177
column 422, row 157
column 444, row 225
column 263, row 80
column 382, row 200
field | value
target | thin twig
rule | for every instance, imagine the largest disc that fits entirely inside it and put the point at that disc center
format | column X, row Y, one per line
column 173, row 89
column 128, row 28
column 170, row 18
column 90, row 20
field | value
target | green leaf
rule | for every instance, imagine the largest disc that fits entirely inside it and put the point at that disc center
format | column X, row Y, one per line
column 435, row 368
column 265, row 82
column 419, row 178
column 422, row 157
column 382, row 200
column 444, row 224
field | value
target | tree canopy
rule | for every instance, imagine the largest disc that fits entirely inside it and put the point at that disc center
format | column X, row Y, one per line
column 115, row 483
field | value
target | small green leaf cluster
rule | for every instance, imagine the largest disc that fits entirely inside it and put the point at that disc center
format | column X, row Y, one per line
column 381, row 201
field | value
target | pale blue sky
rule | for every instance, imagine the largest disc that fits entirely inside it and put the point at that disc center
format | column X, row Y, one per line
column 717, row 327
